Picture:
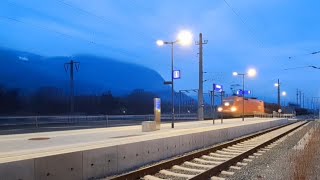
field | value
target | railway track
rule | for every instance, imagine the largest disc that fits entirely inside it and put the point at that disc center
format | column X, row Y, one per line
column 216, row 162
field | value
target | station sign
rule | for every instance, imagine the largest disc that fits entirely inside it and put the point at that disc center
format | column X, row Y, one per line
column 246, row 92
column 176, row 74
column 157, row 112
column 217, row 87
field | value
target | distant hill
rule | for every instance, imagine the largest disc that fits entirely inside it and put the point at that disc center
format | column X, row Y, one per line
column 96, row 74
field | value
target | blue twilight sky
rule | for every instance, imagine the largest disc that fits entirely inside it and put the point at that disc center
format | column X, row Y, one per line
column 263, row 36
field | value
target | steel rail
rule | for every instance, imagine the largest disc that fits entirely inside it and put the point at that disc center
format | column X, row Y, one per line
column 137, row 174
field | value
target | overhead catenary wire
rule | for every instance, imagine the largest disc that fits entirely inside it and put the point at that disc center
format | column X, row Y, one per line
column 70, row 36
column 314, row 67
column 102, row 19
column 253, row 34
column 89, row 41
column 312, row 53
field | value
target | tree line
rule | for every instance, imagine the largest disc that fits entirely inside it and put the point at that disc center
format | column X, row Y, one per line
column 54, row 101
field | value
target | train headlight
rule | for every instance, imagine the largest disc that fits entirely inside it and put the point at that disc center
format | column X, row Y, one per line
column 233, row 109
column 227, row 104
column 220, row 109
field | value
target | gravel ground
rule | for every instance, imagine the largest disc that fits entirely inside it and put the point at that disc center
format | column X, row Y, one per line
column 275, row 163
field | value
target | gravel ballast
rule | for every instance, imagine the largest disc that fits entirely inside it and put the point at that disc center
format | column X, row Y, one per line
column 275, row 163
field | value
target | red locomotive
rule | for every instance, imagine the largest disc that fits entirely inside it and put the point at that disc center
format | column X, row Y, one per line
column 232, row 106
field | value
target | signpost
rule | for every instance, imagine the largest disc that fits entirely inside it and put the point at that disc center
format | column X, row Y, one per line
column 216, row 88
column 176, row 74
column 246, row 92
column 157, row 112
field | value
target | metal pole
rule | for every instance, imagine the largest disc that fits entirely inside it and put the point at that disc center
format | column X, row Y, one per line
column 71, row 88
column 222, row 93
column 172, row 87
column 37, row 125
column 213, row 110
column 279, row 105
column 302, row 100
column 243, row 97
column 179, row 103
column 72, row 65
column 297, row 97
column 200, row 92
column 107, row 121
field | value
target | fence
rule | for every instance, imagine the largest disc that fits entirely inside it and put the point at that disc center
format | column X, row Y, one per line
column 85, row 121
column 274, row 115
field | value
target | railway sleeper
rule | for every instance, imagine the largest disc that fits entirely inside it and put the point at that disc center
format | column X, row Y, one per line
column 217, row 178
column 198, row 165
column 221, row 155
column 232, row 150
column 166, row 172
column 206, row 161
column 214, row 158
column 227, row 153
column 235, row 167
column 227, row 173
column 150, row 177
column 187, row 169
column 237, row 148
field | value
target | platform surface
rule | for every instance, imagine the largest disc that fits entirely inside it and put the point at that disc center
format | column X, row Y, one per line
column 19, row 147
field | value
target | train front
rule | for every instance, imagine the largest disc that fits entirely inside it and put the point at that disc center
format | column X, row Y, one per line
column 229, row 108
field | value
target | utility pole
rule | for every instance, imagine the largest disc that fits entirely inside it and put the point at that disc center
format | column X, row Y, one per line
column 279, row 105
column 300, row 98
column 180, row 103
column 71, row 64
column 212, row 106
column 200, row 92
column 297, row 97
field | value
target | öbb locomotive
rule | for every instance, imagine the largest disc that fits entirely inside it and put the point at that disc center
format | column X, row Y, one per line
column 233, row 106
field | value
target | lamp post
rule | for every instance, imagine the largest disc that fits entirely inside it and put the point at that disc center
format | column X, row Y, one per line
column 184, row 38
column 278, row 87
column 250, row 73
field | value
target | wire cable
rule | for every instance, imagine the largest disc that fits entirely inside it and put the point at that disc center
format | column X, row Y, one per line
column 70, row 36
column 253, row 34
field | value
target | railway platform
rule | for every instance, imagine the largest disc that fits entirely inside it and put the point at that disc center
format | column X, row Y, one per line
column 94, row 153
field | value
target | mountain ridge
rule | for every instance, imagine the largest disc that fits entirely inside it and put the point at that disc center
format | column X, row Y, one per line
column 97, row 74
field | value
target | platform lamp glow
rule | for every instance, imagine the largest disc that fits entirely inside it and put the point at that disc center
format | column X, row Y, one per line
column 184, row 38
column 284, row 94
column 250, row 73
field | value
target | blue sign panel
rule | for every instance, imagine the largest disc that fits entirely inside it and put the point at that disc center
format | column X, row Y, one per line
column 217, row 87
column 176, row 74
column 157, row 104
column 246, row 92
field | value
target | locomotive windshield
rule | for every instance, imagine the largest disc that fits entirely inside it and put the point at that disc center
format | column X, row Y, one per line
column 228, row 102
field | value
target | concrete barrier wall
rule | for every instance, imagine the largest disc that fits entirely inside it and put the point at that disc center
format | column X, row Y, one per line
column 107, row 161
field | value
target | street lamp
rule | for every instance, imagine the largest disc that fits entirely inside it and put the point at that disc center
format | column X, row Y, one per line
column 184, row 38
column 284, row 93
column 250, row 73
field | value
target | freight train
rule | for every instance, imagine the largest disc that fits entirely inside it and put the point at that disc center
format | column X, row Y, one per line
column 233, row 106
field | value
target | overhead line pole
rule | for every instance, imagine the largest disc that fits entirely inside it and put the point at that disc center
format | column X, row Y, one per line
column 72, row 64
column 200, row 92
column 279, row 105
